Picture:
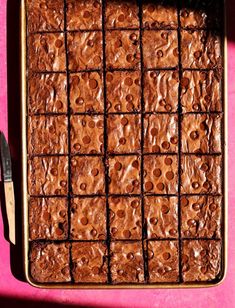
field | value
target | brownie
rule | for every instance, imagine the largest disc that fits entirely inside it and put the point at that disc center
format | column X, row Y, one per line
column 163, row 261
column 160, row 133
column 49, row 262
column 87, row 134
column 127, row 264
column 121, row 14
column 124, row 174
column 89, row 262
column 201, row 260
column 125, row 218
column 48, row 175
column 161, row 89
column 123, row 133
column 123, row 91
column 87, row 175
column 201, row 91
column 48, row 218
column 160, row 14
column 84, row 14
column 45, row 15
column 201, row 174
column 48, row 134
column 46, row 52
column 88, row 218
column 122, row 49
column 201, row 216
column 161, row 217
column 161, row 174
column 86, row 92
column 205, row 52
column 160, row 49
column 85, row 50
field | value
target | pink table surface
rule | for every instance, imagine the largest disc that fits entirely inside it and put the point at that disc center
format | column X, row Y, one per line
column 15, row 293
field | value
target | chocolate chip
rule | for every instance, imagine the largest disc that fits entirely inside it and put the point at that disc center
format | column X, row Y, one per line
column 170, row 175
column 166, row 145
column 54, row 171
column 90, row 43
column 154, row 131
column 212, row 207
column 160, row 53
column 79, row 101
column 94, row 172
column 118, row 166
column 135, row 164
column 86, row 140
column 197, row 54
column 130, row 256
column 83, row 186
column 174, row 140
column 124, row 121
column 86, row 14
column 84, row 221
column 153, row 220
column 195, row 185
column 148, row 186
column 191, row 223
column 127, row 233
column 196, row 206
column 196, row 107
column 160, row 186
column 129, row 98
column 165, row 209
column 77, row 146
column 93, row 83
column 120, row 213
column 58, row 43
column 121, row 17
column 135, row 203
column 204, row 167
column 168, row 161
column 130, row 107
column 166, row 255
column 157, row 172
column 122, row 141
column 63, row 183
column 184, row 201
column 184, row 82
column 156, row 148
column 133, row 37
column 194, row 135
column 109, row 77
column 128, row 81
column 168, row 107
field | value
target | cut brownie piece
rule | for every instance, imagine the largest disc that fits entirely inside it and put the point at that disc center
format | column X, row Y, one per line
column 123, row 91
column 163, row 261
column 89, row 262
column 122, row 49
column 121, row 14
column 84, row 14
column 201, row 91
column 87, row 134
column 160, row 49
column 45, row 15
column 86, row 92
column 201, row 174
column 125, row 218
column 48, row 175
column 200, row 49
column 48, row 134
column 161, row 217
column 161, row 91
column 127, row 263
column 160, row 14
column 49, row 262
column 201, row 260
column 87, row 175
column 201, row 216
column 48, row 218
column 123, row 133
column 85, row 50
column 124, row 174
column 160, row 133
column 88, row 218
column 161, row 174
column 46, row 52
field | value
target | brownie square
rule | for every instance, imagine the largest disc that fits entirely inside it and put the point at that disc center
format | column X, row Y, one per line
column 201, row 174
column 122, row 49
column 45, row 15
column 124, row 133
column 123, row 91
column 48, row 175
column 49, row 262
column 161, row 217
column 163, row 261
column 201, row 216
column 87, row 175
column 84, row 15
column 85, row 50
column 161, row 174
column 201, row 91
column 201, row 260
column 89, row 262
column 122, row 14
column 160, row 133
column 47, row 93
column 201, row 133
column 86, row 92
column 46, row 52
column 48, row 134
column 48, row 218
column 88, row 219
column 127, row 262
column 87, row 134
column 205, row 52
column 161, row 90
column 160, row 49
column 160, row 14
column 124, row 174
column 125, row 218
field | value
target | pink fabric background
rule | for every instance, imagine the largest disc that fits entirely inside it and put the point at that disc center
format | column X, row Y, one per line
column 221, row 296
